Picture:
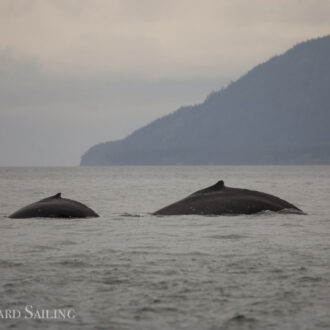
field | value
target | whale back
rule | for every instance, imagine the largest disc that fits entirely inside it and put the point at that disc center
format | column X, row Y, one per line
column 54, row 207
column 219, row 199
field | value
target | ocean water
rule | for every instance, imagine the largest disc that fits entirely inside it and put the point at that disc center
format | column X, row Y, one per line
column 129, row 269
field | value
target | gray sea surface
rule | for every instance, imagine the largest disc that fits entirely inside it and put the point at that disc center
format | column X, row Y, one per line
column 129, row 269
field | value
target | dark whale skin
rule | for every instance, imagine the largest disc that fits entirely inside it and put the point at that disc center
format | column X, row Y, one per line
column 221, row 200
column 54, row 207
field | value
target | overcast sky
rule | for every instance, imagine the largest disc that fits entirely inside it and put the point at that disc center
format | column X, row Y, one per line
column 74, row 73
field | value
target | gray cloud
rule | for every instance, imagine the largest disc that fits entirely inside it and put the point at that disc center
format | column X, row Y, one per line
column 157, row 38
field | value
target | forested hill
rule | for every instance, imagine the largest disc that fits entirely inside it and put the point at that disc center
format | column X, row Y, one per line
column 277, row 113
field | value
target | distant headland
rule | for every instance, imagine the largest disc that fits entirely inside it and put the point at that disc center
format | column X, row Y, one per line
column 277, row 113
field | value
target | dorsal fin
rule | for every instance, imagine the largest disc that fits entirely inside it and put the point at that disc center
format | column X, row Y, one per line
column 56, row 196
column 220, row 185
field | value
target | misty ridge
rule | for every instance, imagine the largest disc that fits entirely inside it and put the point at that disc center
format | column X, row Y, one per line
column 277, row 113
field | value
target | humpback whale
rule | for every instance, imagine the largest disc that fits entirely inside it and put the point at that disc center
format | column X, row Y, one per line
column 221, row 200
column 54, row 207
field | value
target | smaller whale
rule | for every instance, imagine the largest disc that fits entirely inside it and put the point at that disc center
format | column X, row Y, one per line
column 221, row 200
column 54, row 207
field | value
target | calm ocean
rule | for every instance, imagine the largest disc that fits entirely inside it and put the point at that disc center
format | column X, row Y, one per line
column 129, row 269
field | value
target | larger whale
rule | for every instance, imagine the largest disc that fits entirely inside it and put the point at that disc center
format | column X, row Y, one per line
column 55, row 207
column 221, row 200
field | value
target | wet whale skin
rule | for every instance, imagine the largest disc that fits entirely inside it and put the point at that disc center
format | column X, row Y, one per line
column 54, row 207
column 221, row 200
